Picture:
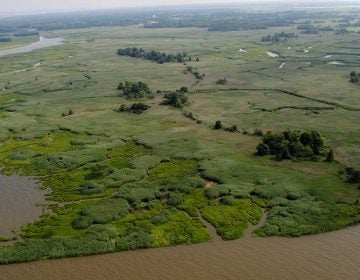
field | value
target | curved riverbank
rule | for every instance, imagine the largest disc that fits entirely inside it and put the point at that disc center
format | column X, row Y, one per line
column 42, row 43
column 327, row 256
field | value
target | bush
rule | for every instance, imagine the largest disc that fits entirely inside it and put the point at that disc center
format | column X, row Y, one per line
column 232, row 129
column 293, row 196
column 228, row 200
column 90, row 188
column 175, row 199
column 354, row 77
column 262, row 149
column 134, row 240
column 136, row 108
column 352, row 175
column 162, row 218
column 212, row 193
column 82, row 222
column 221, row 81
column 106, row 211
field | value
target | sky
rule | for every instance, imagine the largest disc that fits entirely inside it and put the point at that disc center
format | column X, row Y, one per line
column 33, row 6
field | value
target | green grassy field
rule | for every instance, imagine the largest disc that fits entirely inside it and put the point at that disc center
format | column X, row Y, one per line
column 123, row 181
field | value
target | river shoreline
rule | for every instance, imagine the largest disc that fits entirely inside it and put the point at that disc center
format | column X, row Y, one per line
column 42, row 43
column 332, row 255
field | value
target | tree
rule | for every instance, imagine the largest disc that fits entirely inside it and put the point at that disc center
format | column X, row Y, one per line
column 218, row 125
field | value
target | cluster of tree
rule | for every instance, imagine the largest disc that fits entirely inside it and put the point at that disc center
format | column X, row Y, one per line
column 5, row 39
column 136, row 108
column 354, row 77
column 195, row 73
column 177, row 99
column 308, row 29
column 154, row 55
column 294, row 144
column 247, row 24
column 218, row 125
column 221, row 81
column 25, row 33
column 278, row 37
column 134, row 89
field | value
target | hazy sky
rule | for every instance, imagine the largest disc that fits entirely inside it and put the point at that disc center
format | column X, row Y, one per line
column 30, row 6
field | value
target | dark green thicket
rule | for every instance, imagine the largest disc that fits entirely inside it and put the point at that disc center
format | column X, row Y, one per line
column 136, row 108
column 134, row 89
column 308, row 29
column 153, row 55
column 175, row 99
column 294, row 144
column 278, row 37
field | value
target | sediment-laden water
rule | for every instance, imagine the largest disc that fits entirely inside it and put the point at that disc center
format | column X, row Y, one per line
column 318, row 257
column 19, row 203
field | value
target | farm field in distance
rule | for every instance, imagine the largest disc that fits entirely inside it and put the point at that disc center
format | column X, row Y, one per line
column 121, row 181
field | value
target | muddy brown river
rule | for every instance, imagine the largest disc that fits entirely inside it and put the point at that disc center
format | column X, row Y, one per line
column 19, row 203
column 334, row 255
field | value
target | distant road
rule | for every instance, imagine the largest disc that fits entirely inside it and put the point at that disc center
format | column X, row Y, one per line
column 42, row 43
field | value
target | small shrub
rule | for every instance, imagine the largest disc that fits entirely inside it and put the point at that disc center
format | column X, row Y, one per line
column 228, row 200
column 218, row 125
column 221, row 81
column 262, row 149
column 175, row 199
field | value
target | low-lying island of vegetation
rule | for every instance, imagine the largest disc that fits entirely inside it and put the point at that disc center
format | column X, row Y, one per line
column 144, row 155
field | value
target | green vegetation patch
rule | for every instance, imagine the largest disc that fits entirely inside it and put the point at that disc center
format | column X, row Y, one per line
column 230, row 221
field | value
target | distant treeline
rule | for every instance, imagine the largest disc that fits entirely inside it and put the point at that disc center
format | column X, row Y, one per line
column 212, row 18
column 278, row 37
column 154, row 55
column 25, row 33
column 5, row 39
